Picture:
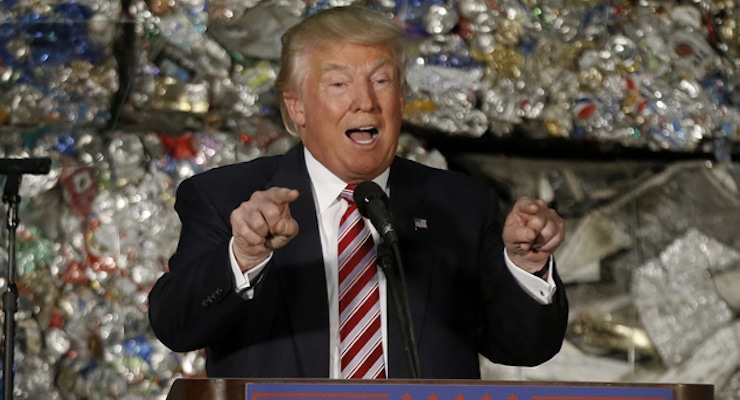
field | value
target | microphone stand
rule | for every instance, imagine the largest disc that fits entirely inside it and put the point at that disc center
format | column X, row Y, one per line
column 13, row 169
column 388, row 257
column 10, row 297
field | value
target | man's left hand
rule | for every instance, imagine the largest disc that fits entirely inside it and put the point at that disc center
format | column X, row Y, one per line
column 532, row 233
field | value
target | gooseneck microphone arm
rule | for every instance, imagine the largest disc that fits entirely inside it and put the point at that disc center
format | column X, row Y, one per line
column 13, row 169
column 389, row 259
column 372, row 203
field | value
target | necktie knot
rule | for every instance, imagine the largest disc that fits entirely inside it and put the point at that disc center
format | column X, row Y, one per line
column 348, row 193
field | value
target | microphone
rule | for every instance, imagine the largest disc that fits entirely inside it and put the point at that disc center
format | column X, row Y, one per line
column 33, row 166
column 372, row 203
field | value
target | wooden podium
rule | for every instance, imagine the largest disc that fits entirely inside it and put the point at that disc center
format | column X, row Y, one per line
column 278, row 389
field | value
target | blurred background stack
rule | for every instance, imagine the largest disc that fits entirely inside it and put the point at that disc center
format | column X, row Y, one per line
column 624, row 115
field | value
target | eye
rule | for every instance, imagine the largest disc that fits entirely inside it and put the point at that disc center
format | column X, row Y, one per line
column 384, row 81
column 384, row 77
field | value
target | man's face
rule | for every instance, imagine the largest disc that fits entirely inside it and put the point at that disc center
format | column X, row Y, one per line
column 349, row 109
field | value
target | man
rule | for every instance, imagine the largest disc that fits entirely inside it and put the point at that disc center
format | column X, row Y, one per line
column 255, row 278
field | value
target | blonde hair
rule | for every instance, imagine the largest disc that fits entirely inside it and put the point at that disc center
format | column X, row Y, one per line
column 350, row 24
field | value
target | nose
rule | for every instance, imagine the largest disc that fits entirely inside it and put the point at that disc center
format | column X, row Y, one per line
column 364, row 97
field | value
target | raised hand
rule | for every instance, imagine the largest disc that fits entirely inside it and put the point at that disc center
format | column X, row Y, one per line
column 262, row 224
column 532, row 233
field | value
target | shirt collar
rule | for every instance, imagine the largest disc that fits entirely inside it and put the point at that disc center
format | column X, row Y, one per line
column 327, row 186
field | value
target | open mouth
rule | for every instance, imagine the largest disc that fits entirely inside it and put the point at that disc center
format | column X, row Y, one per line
column 362, row 135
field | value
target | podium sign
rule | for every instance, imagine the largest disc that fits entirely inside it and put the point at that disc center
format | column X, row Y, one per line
column 386, row 391
column 316, row 389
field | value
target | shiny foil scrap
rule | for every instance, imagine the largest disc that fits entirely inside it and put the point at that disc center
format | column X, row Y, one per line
column 676, row 298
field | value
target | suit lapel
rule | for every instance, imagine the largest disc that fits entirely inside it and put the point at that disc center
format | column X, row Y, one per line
column 300, row 269
column 415, row 228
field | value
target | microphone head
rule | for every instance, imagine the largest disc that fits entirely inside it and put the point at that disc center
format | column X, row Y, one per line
column 366, row 192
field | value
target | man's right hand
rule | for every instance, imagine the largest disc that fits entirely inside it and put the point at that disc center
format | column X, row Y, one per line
column 262, row 224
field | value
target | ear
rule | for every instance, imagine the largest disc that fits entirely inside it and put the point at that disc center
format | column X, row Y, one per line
column 295, row 108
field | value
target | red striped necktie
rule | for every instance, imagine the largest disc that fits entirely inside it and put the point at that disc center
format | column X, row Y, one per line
column 360, row 331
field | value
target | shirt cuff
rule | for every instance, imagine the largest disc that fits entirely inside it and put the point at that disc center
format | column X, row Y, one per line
column 540, row 289
column 243, row 280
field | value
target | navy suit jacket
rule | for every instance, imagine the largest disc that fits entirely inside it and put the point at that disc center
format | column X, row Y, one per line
column 463, row 299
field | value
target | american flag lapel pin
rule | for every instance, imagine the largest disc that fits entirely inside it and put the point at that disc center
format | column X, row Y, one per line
column 420, row 223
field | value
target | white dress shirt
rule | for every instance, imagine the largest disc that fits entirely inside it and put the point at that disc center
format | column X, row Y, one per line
column 329, row 209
